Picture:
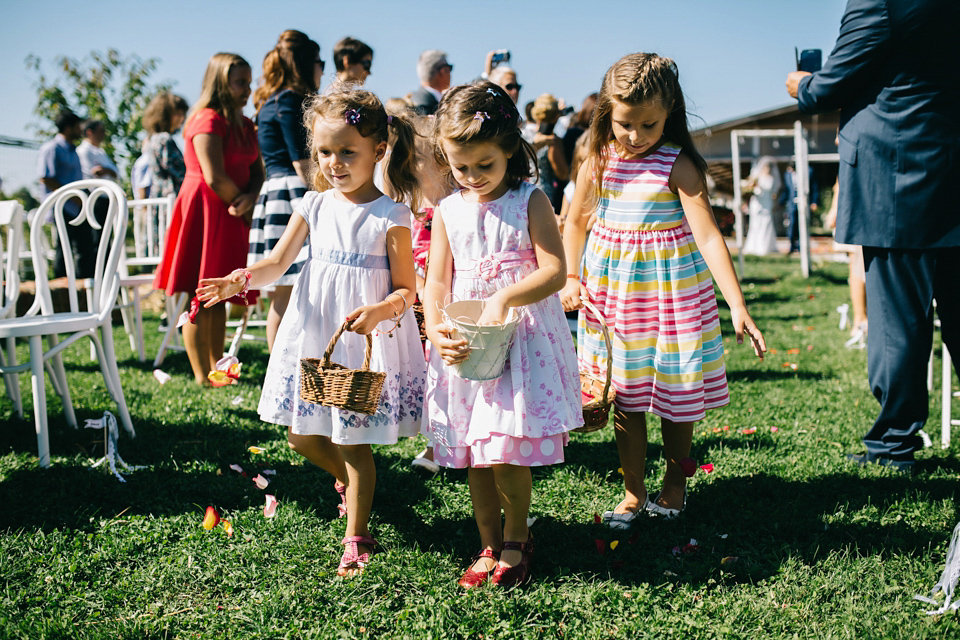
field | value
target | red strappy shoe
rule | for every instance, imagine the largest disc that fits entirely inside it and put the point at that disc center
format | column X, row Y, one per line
column 342, row 490
column 518, row 574
column 473, row 578
column 352, row 559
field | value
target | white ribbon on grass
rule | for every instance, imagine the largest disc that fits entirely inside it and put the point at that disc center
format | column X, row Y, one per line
column 948, row 581
column 112, row 434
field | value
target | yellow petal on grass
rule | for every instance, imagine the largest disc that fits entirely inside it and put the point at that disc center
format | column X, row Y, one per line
column 614, row 543
column 254, row 450
column 220, row 379
column 227, row 527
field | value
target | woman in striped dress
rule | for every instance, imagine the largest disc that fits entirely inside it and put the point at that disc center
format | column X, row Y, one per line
column 291, row 71
column 648, row 269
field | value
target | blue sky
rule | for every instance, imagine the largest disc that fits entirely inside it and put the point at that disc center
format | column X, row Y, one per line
column 733, row 55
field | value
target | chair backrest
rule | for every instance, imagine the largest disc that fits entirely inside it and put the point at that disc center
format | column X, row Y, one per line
column 11, row 221
column 113, row 229
column 151, row 218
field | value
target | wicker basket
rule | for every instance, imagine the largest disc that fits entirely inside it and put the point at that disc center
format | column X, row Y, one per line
column 333, row 385
column 421, row 319
column 597, row 395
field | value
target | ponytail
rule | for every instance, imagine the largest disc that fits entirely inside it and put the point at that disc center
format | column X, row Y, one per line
column 401, row 169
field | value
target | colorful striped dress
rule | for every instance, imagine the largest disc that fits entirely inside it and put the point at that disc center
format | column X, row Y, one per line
column 644, row 273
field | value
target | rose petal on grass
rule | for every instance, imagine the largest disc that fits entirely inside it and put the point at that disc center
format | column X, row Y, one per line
column 729, row 561
column 793, row 352
column 597, row 519
column 809, row 347
column 748, row 431
column 774, row 429
column 237, row 468
column 220, row 379
column 254, row 450
column 234, row 370
column 261, row 482
column 689, row 466
column 161, row 376
column 211, row 518
column 614, row 544
column 237, row 400
column 531, row 521
column 669, row 574
column 270, row 507
column 269, row 472
column 228, row 528
column 707, row 468
column 601, row 546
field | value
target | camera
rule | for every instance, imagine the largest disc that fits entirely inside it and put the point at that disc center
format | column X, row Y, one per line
column 500, row 55
column 546, row 128
column 809, row 60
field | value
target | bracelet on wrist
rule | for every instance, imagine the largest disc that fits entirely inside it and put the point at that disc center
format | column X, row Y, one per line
column 573, row 276
column 247, row 276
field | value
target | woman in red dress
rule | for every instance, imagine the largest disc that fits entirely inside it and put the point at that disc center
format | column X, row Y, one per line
column 211, row 218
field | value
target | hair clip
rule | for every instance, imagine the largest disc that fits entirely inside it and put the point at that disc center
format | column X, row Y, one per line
column 481, row 116
column 389, row 120
column 506, row 114
column 493, row 92
column 352, row 116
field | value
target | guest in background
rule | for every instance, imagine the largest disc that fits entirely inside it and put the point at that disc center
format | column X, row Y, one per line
column 764, row 184
column 292, row 70
column 506, row 77
column 434, row 73
column 162, row 118
column 353, row 60
column 211, row 219
column 94, row 161
column 552, row 165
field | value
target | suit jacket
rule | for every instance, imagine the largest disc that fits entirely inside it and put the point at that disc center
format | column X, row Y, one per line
column 894, row 73
column 424, row 102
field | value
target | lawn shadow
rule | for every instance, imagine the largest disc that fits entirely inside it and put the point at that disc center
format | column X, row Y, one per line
column 760, row 522
column 769, row 375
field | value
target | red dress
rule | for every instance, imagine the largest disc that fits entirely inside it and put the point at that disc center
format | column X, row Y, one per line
column 204, row 240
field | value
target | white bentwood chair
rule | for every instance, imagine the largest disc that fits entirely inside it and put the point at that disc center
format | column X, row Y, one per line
column 11, row 242
column 94, row 323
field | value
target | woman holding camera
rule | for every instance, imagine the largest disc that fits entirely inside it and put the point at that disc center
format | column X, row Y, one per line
column 551, row 159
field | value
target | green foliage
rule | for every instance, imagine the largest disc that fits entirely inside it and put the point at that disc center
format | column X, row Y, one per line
column 794, row 542
column 107, row 86
column 24, row 196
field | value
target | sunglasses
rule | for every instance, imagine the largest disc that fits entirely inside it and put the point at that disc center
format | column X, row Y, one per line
column 321, row 63
column 513, row 85
column 366, row 64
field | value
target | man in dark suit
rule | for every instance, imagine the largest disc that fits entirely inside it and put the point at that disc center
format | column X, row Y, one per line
column 894, row 74
column 434, row 73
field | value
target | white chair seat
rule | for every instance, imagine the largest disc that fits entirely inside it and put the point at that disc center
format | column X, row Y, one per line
column 67, row 322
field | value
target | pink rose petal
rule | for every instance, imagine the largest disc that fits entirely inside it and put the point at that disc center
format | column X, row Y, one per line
column 270, row 508
column 237, row 468
column 261, row 482
column 707, row 467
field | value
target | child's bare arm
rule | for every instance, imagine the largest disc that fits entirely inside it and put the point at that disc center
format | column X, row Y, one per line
column 438, row 285
column 582, row 206
column 685, row 180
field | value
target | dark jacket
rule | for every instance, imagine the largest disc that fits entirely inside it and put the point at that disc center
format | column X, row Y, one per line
column 424, row 102
column 894, row 74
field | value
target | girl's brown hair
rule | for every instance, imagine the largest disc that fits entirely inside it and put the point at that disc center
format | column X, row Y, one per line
column 158, row 116
column 635, row 79
column 364, row 110
column 215, row 92
column 483, row 112
column 289, row 65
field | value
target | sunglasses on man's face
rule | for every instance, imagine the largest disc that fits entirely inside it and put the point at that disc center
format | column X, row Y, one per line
column 513, row 86
column 366, row 64
column 321, row 63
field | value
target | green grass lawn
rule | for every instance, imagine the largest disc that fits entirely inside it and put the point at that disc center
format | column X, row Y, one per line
column 793, row 540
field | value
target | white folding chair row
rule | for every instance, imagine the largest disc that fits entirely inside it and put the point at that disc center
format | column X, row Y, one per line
column 41, row 320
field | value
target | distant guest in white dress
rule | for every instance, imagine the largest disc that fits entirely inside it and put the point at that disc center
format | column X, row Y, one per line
column 765, row 183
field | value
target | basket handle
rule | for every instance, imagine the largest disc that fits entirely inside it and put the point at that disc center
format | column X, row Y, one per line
column 606, row 338
column 333, row 343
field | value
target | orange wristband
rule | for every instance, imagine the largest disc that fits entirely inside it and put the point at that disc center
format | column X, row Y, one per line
column 572, row 276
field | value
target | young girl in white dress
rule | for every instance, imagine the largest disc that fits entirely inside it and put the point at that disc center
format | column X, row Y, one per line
column 360, row 269
column 497, row 239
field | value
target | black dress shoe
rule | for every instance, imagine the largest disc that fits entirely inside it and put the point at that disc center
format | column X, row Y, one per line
column 900, row 464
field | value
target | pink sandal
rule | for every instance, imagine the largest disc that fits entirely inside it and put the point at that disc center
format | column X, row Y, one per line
column 342, row 490
column 352, row 558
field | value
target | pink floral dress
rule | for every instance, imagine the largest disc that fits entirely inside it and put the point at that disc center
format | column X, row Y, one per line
column 522, row 417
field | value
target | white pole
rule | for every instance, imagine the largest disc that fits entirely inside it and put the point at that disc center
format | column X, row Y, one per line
column 802, row 180
column 737, row 197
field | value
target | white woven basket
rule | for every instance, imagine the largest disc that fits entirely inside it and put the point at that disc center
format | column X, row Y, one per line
column 489, row 344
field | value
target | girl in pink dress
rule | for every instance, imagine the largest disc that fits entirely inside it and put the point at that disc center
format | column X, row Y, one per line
column 497, row 239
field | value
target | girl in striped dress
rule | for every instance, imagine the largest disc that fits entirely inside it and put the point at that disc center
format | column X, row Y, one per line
column 647, row 269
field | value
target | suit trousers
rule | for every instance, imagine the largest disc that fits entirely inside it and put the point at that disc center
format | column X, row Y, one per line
column 901, row 287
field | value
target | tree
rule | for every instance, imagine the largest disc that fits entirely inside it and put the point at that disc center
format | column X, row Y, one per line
column 106, row 86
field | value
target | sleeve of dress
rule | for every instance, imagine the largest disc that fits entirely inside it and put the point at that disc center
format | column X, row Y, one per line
column 862, row 45
column 209, row 121
column 290, row 117
column 398, row 216
column 309, row 202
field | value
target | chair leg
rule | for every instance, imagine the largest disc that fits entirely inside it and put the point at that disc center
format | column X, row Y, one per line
column 238, row 336
column 58, row 377
column 175, row 306
column 88, row 291
column 946, row 399
column 108, row 366
column 12, row 380
column 39, row 400
column 138, row 324
column 128, row 322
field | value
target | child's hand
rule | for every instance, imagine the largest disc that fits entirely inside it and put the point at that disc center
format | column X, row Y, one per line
column 744, row 324
column 364, row 320
column 571, row 295
column 494, row 311
column 451, row 350
column 210, row 291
